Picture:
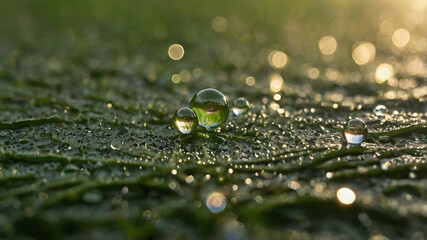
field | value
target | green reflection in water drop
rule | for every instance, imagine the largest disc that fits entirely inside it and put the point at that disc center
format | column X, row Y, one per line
column 240, row 106
column 211, row 107
column 185, row 120
column 355, row 131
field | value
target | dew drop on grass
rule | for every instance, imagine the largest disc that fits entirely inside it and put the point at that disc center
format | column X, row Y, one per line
column 240, row 106
column 355, row 132
column 116, row 145
column 185, row 120
column 211, row 107
column 380, row 110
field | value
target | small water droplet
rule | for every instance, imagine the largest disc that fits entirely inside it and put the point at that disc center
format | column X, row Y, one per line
column 71, row 168
column 24, row 140
column 185, row 120
column 211, row 107
column 355, row 131
column 380, row 110
column 240, row 106
column 115, row 145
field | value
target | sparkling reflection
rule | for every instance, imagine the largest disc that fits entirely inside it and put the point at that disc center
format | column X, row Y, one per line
column 327, row 45
column 384, row 72
column 216, row 202
column 346, row 196
column 176, row 52
column 277, row 59
column 363, row 53
column 401, row 37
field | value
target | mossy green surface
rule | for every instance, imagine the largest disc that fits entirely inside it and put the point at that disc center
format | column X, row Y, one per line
column 88, row 149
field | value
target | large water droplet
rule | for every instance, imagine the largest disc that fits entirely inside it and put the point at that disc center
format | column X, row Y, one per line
column 240, row 106
column 185, row 120
column 211, row 107
column 380, row 110
column 355, row 131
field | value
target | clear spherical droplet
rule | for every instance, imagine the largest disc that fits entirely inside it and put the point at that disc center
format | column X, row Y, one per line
column 355, row 131
column 240, row 106
column 185, row 120
column 380, row 110
column 211, row 107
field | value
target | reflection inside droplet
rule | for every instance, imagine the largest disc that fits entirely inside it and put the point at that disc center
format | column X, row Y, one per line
column 211, row 107
column 185, row 120
column 240, row 106
column 380, row 110
column 277, row 59
column 355, row 131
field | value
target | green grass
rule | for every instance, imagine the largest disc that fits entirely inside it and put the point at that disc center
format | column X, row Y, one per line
column 88, row 149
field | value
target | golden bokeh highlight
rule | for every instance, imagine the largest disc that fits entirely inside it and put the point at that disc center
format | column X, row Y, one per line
column 401, row 37
column 384, row 72
column 250, row 81
column 276, row 83
column 176, row 51
column 219, row 24
column 328, row 45
column 364, row 53
column 176, row 78
column 313, row 73
column 216, row 202
column 346, row 196
column 278, row 59
column 415, row 66
column 418, row 5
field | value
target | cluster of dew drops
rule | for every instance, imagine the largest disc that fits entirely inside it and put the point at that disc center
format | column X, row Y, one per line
column 209, row 108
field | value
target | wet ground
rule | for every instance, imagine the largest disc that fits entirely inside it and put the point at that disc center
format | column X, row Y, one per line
column 88, row 148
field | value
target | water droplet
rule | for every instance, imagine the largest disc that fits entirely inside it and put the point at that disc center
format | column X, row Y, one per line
column 240, row 106
column 216, row 202
column 211, row 107
column 380, row 110
column 386, row 139
column 185, row 120
column 71, row 168
column 24, row 140
column 355, row 131
column 115, row 145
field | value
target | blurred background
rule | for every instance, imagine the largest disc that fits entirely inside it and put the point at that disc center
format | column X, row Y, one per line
column 89, row 88
column 332, row 48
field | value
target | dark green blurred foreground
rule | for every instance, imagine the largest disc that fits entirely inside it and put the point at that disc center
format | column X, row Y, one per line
column 88, row 149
